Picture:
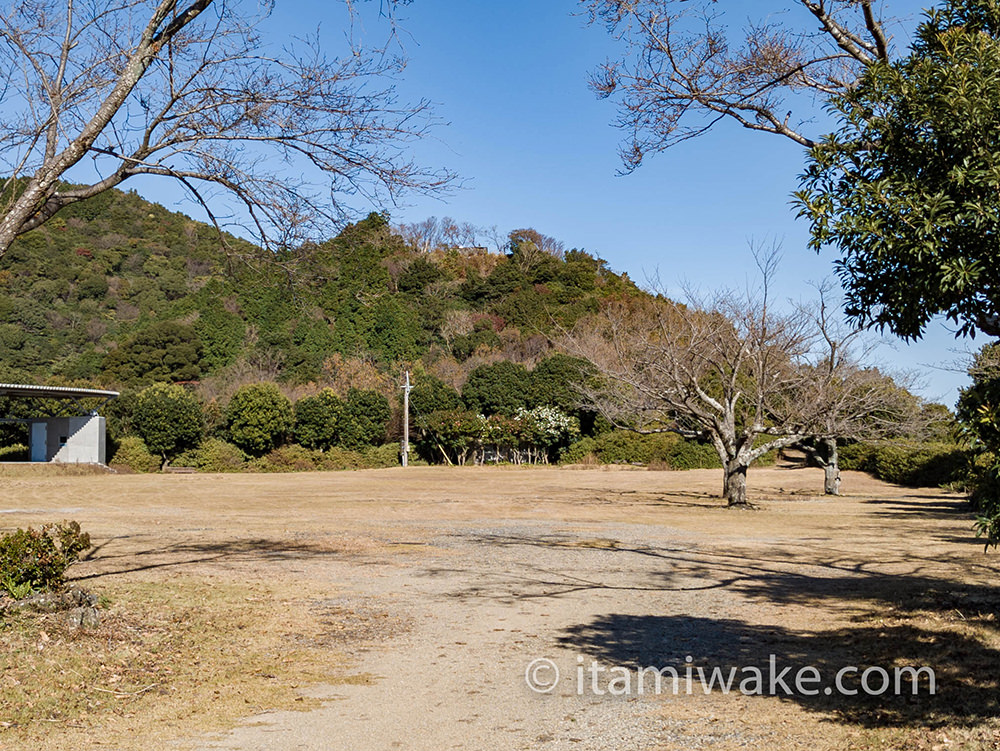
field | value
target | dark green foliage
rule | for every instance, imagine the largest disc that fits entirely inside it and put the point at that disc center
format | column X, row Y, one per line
column 364, row 419
column 553, row 381
column 419, row 274
column 134, row 456
column 433, row 395
column 979, row 416
column 33, row 560
column 221, row 334
column 168, row 417
column 293, row 458
column 662, row 450
column 483, row 334
column 98, row 292
column 14, row 452
column 911, row 464
column 259, row 418
column 317, row 419
column 908, row 188
column 448, row 436
column 214, row 455
column 166, row 351
column 501, row 388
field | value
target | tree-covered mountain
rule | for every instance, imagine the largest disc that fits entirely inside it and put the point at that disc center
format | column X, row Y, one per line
column 121, row 292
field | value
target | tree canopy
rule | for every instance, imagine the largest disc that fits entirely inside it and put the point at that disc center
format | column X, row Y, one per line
column 907, row 190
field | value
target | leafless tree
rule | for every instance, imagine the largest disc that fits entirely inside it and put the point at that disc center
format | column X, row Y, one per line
column 682, row 68
column 843, row 397
column 97, row 92
column 726, row 370
column 433, row 234
column 737, row 372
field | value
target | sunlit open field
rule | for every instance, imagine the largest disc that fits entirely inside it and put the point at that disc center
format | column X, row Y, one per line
column 401, row 609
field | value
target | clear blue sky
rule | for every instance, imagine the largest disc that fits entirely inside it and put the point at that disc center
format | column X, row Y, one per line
column 537, row 149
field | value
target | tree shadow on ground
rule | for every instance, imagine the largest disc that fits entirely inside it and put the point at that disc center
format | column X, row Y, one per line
column 966, row 681
column 933, row 507
column 181, row 554
column 808, row 575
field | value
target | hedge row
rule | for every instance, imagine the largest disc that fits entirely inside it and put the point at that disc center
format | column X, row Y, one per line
column 215, row 455
column 929, row 464
column 661, row 450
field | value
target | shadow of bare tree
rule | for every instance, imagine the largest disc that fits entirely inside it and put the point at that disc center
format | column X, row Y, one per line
column 967, row 686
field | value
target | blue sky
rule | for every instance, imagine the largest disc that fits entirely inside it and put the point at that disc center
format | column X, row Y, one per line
column 537, row 149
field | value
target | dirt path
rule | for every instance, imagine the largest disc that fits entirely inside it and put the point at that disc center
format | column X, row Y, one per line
column 483, row 571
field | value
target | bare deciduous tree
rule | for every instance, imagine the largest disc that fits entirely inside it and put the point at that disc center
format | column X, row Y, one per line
column 682, row 69
column 433, row 233
column 725, row 370
column 843, row 397
column 99, row 92
column 736, row 372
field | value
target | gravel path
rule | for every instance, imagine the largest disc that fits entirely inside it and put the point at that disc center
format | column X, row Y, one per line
column 482, row 606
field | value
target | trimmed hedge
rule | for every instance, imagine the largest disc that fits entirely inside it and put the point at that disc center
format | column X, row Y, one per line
column 663, row 450
column 295, row 458
column 930, row 464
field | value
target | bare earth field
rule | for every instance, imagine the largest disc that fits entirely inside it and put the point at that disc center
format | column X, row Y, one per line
column 400, row 609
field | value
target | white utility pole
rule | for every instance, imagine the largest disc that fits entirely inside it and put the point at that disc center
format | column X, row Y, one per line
column 405, row 453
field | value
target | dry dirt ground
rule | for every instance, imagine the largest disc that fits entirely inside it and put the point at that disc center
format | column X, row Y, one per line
column 432, row 590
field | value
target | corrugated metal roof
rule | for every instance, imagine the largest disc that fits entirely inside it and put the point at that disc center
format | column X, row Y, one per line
column 52, row 392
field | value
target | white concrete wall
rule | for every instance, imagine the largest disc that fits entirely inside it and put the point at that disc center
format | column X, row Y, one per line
column 69, row 440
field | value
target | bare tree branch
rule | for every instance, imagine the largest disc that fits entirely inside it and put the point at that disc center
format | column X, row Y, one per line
column 682, row 68
column 192, row 92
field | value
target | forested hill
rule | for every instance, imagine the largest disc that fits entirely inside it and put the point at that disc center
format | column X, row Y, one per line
column 121, row 292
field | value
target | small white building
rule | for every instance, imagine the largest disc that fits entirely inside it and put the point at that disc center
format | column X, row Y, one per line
column 67, row 440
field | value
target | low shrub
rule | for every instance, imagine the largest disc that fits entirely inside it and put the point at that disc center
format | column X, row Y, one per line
column 16, row 452
column 660, row 450
column 386, row 455
column 930, row 464
column 214, row 455
column 685, row 454
column 133, row 455
column 290, row 458
column 33, row 560
column 583, row 451
column 295, row 458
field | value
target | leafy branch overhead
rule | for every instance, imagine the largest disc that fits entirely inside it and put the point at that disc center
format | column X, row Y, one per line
column 906, row 189
column 193, row 92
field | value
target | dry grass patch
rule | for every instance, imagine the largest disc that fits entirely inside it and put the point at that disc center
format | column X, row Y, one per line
column 170, row 659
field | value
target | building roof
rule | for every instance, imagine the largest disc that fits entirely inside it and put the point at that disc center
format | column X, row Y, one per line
column 52, row 392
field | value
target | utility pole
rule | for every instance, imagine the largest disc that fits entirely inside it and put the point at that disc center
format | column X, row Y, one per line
column 405, row 453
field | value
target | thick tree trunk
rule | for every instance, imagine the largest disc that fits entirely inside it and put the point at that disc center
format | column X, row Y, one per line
column 735, row 484
column 831, row 468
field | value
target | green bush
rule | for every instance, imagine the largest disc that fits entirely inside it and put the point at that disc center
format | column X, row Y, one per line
column 341, row 458
column 260, row 418
column 666, row 450
column 386, row 455
column 317, row 418
column 364, row 419
column 17, row 452
column 214, row 455
column 857, row 456
column 32, row 560
column 929, row 464
column 685, row 454
column 295, row 458
column 290, row 458
column 133, row 454
column 168, row 417
column 580, row 452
